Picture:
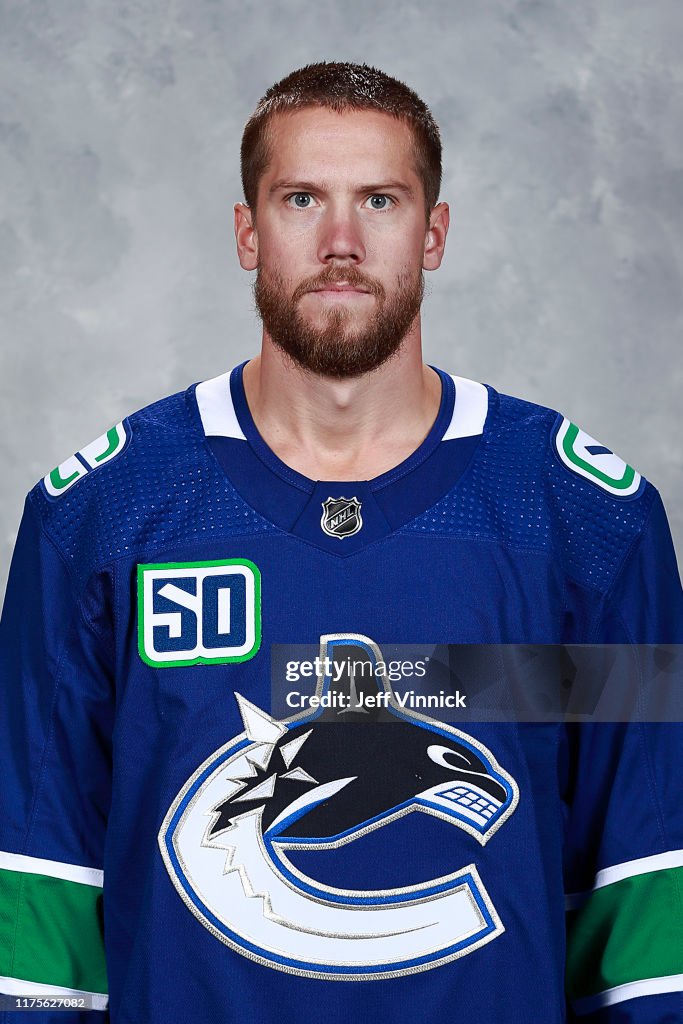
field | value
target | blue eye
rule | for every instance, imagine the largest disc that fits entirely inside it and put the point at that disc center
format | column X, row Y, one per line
column 303, row 201
column 297, row 196
column 387, row 200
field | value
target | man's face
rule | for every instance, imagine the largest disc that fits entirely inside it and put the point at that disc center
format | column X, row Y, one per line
column 340, row 232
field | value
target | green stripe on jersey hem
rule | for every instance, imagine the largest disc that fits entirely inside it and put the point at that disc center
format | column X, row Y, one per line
column 51, row 931
column 627, row 931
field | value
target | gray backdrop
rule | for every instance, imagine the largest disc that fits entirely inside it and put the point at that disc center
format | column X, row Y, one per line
column 119, row 138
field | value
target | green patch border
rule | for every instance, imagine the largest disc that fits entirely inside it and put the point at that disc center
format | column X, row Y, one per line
column 225, row 660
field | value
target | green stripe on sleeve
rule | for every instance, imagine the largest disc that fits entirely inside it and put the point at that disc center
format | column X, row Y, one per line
column 626, row 931
column 51, row 931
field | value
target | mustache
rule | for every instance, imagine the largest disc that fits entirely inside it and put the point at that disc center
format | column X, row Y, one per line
column 349, row 276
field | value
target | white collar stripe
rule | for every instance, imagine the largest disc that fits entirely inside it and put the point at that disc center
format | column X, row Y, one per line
column 216, row 408
column 219, row 419
column 469, row 409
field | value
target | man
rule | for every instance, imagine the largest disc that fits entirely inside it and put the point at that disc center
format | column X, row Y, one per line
column 175, row 847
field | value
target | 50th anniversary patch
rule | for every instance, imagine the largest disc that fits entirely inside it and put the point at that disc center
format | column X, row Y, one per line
column 192, row 613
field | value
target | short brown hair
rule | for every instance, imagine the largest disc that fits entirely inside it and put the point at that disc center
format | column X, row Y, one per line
column 341, row 86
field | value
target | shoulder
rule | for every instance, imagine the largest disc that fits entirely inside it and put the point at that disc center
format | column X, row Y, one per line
column 168, row 416
column 565, row 490
column 100, row 500
column 142, row 438
column 568, row 445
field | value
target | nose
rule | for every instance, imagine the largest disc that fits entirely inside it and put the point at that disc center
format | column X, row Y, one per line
column 341, row 235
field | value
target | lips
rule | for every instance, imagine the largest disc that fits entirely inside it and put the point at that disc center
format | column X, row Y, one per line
column 341, row 288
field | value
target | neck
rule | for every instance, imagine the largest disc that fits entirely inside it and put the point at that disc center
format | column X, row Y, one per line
column 352, row 429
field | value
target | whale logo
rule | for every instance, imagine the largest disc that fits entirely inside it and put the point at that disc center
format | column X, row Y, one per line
column 317, row 783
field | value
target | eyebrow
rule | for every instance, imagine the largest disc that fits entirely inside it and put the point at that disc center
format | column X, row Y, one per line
column 310, row 186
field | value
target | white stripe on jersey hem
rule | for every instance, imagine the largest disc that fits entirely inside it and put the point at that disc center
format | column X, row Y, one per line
column 657, row 862
column 627, row 869
column 631, row 990
column 53, row 868
column 469, row 411
column 216, row 408
column 17, row 987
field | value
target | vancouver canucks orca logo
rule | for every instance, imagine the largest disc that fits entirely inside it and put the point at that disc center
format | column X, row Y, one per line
column 259, row 840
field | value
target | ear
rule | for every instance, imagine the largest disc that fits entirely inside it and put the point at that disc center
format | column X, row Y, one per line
column 435, row 238
column 245, row 236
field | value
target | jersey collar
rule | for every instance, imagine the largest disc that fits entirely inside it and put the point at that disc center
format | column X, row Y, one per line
column 224, row 412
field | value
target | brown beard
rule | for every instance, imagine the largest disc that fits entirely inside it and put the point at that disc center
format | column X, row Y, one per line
column 332, row 351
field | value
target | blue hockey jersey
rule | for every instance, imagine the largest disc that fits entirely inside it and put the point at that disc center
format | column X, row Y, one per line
column 174, row 849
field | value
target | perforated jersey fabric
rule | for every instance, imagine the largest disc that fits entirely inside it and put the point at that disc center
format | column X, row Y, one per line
column 519, row 494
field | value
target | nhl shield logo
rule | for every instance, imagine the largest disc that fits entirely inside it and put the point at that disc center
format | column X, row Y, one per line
column 341, row 517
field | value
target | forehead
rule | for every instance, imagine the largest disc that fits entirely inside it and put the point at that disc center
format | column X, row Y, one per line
column 358, row 144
